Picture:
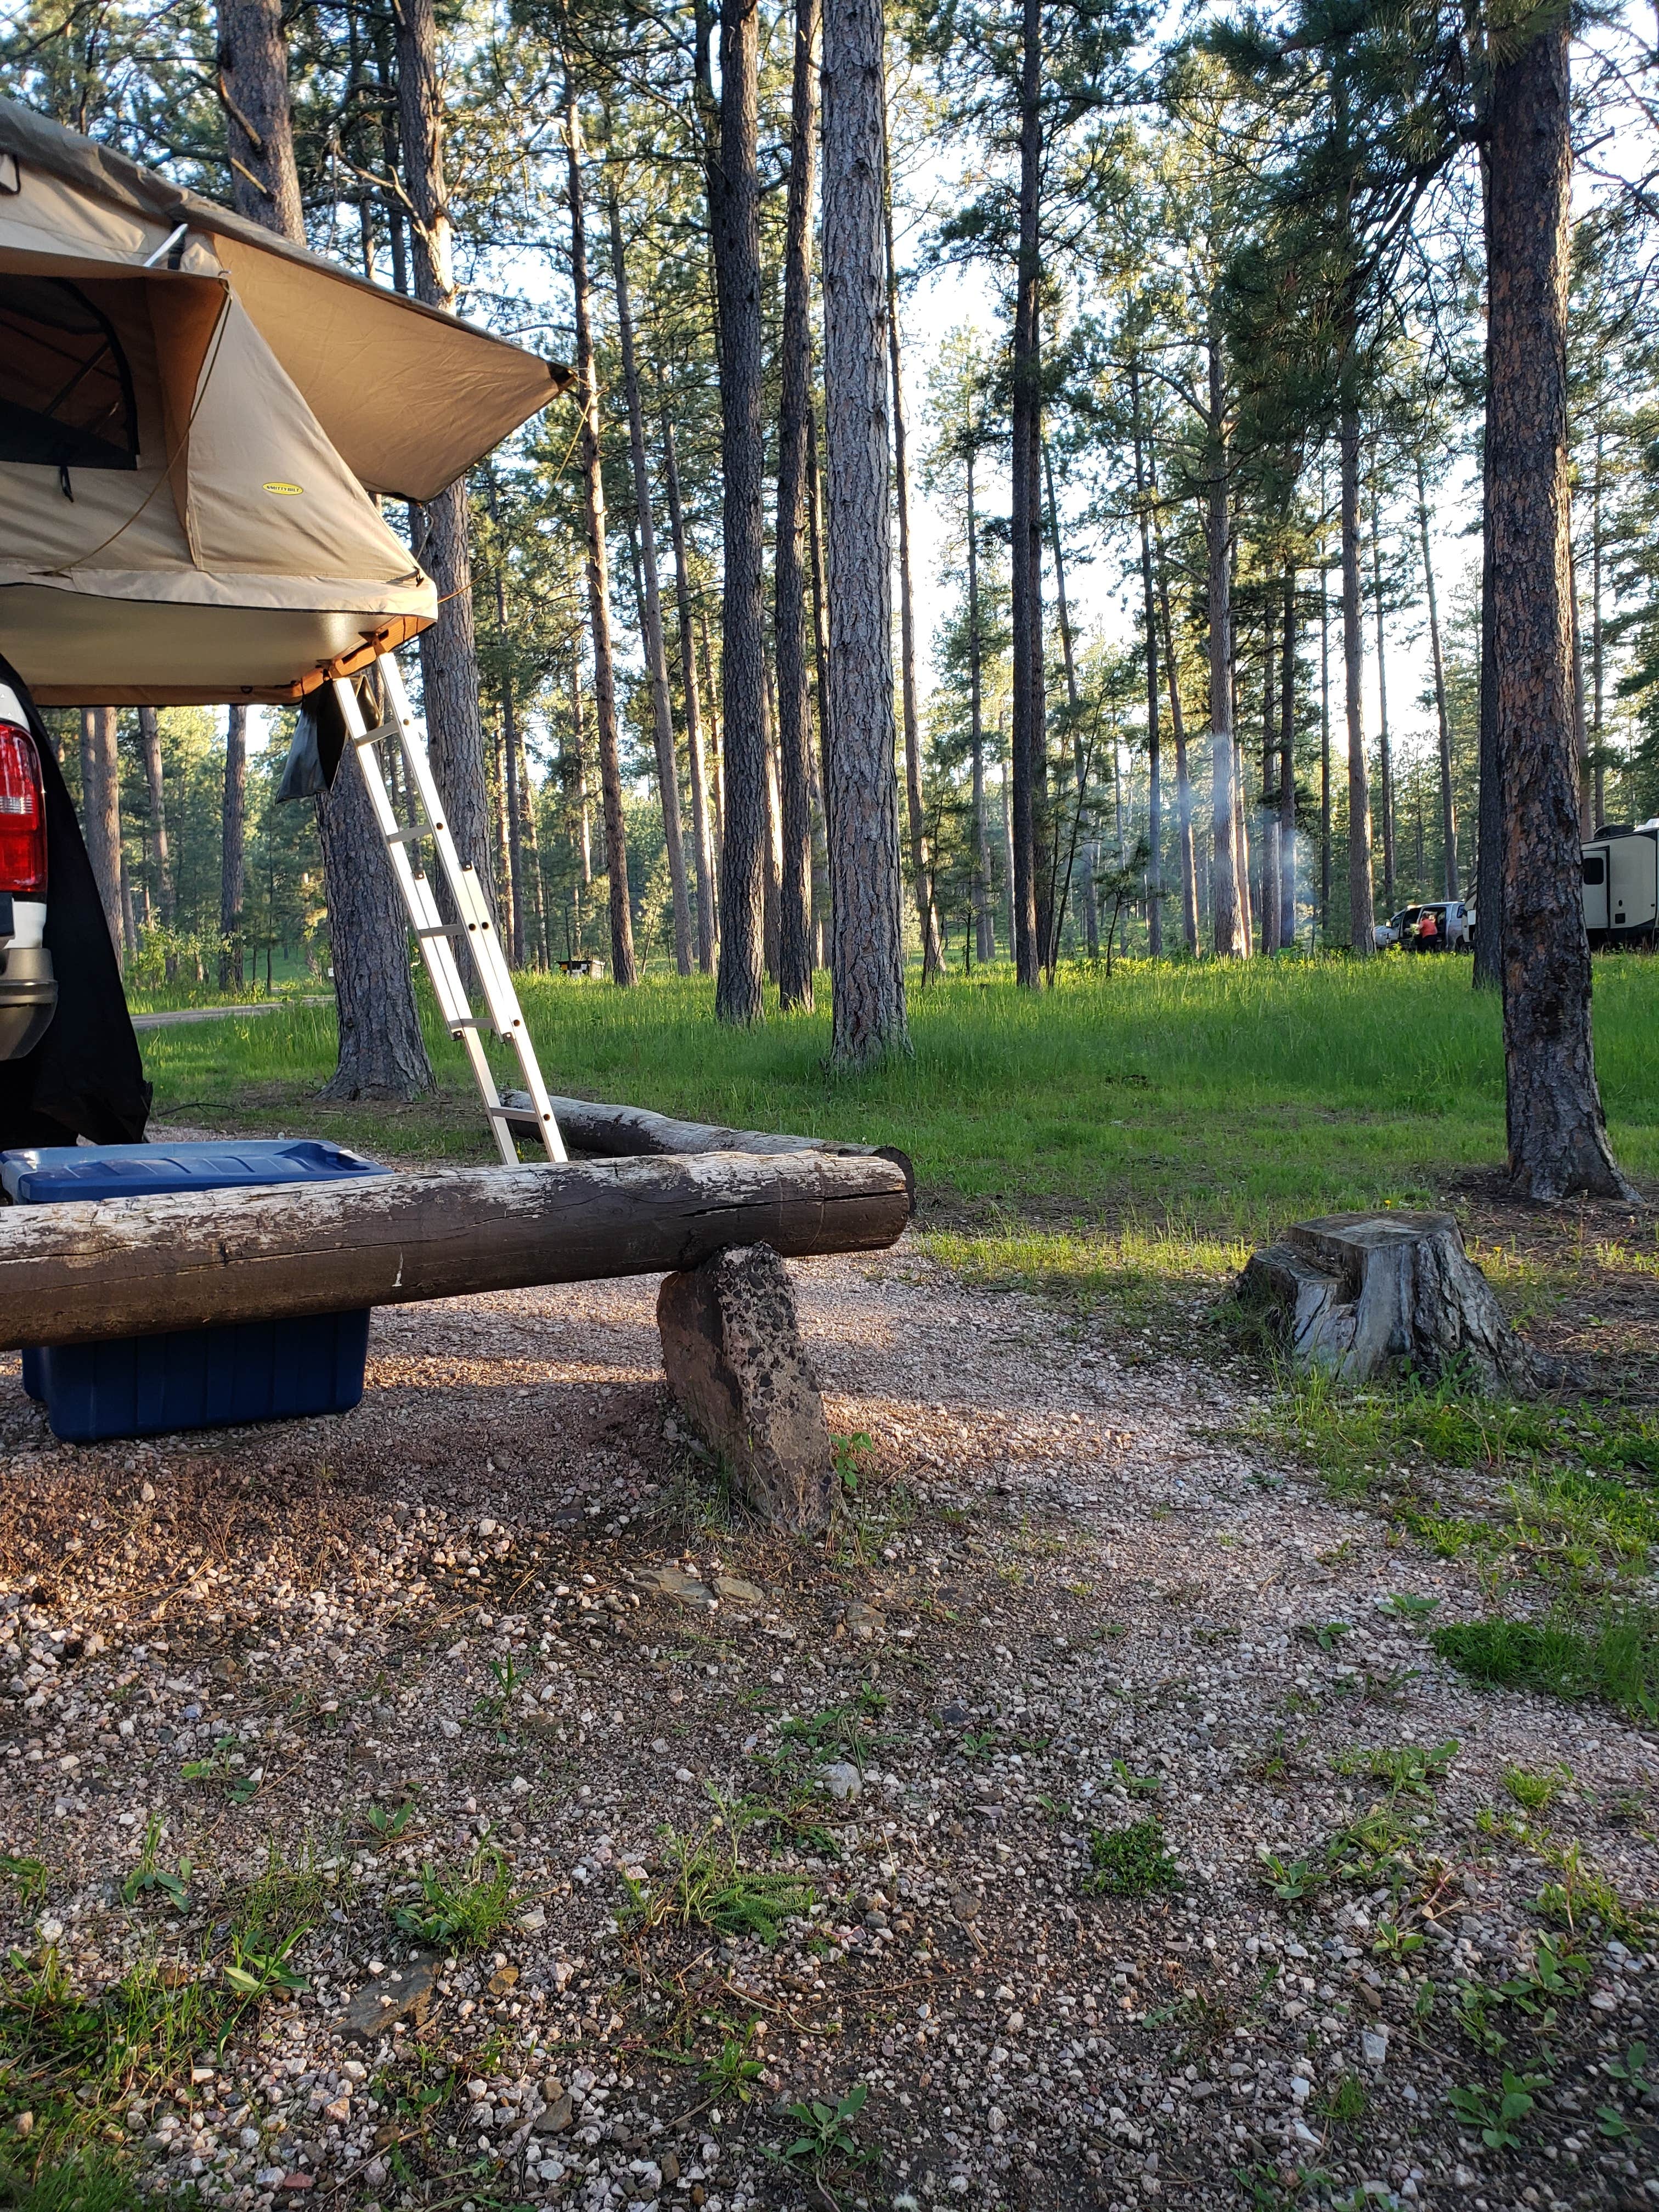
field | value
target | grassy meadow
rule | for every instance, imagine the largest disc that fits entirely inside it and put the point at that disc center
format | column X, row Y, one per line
column 1183, row 1109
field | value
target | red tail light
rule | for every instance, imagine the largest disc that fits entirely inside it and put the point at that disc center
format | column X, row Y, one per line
column 23, row 815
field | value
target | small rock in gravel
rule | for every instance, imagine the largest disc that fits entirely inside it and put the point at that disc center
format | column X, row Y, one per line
column 842, row 1780
column 560, row 2112
column 736, row 1591
column 672, row 1582
column 376, row 2005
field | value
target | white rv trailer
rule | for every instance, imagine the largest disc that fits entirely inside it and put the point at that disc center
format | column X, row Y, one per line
column 1621, row 885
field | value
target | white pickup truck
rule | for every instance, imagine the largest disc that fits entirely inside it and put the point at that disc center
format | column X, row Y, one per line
column 29, row 995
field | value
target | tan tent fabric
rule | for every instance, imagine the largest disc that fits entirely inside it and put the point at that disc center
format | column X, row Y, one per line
column 240, row 556
column 409, row 397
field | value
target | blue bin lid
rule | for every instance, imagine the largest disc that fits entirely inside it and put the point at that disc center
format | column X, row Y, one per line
column 50, row 1172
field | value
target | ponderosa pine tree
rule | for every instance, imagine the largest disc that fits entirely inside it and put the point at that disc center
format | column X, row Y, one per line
column 867, row 930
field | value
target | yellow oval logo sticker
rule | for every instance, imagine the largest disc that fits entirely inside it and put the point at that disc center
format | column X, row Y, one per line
column 286, row 490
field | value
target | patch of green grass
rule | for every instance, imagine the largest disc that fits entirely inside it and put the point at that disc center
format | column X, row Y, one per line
column 1412, row 1769
column 30, row 1876
column 90, row 2181
column 461, row 1909
column 1613, row 1656
column 1535, row 1790
column 1347, row 2102
column 1130, row 1862
column 705, row 1884
column 1208, row 1102
column 825, row 2138
column 1584, row 1896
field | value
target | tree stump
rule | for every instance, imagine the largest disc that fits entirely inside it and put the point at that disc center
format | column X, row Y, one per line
column 1368, row 1294
column 732, row 1350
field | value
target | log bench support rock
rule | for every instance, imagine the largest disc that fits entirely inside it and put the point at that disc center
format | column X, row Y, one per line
column 740, row 1374
column 1363, row 1295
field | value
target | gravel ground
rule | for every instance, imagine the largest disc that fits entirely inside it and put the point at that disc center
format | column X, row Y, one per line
column 499, row 1609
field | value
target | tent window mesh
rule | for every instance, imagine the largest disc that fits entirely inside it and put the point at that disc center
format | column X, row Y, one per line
column 65, row 389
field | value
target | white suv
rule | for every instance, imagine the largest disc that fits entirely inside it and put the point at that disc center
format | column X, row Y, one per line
column 29, row 995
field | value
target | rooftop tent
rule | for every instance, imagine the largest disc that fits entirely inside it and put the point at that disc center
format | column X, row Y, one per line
column 193, row 415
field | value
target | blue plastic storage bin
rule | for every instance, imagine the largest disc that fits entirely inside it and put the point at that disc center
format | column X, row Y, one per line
column 200, row 1378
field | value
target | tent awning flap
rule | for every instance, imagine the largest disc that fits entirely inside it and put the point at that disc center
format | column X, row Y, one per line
column 244, row 556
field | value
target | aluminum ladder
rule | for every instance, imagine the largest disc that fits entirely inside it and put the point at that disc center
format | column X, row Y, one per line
column 437, row 938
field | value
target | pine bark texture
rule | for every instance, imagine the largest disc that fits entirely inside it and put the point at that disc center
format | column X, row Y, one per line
column 702, row 850
column 449, row 655
column 382, row 1052
column 1287, row 772
column 985, row 941
column 734, row 208
column 1384, row 739
column 1228, row 924
column 233, row 860
column 622, row 969
column 789, row 622
column 866, row 958
column 1028, row 738
column 1149, row 633
column 1188, row 858
column 252, row 89
column 100, row 814
column 1362, row 893
column 656, row 658
column 1556, row 1135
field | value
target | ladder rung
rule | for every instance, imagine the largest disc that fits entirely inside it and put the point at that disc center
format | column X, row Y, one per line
column 379, row 734
column 405, row 836
column 443, row 929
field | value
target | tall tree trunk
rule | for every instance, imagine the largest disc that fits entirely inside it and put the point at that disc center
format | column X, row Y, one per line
column 821, row 677
column 1189, row 921
column 380, row 1058
column 1448, row 804
column 149, row 734
column 1557, row 1136
column 1030, row 744
column 1242, row 850
column 1068, row 658
column 735, row 209
column 598, row 579
column 702, row 852
column 1007, row 780
column 382, row 1053
column 1269, row 899
column 449, row 658
column 100, row 813
column 985, row 940
column 541, row 953
column 252, row 89
column 795, row 949
column 1598, row 658
column 656, row 658
column 1227, row 894
column 233, row 862
column 1287, row 772
column 1324, row 754
column 1362, row 895
column 866, row 958
column 1384, row 744
column 921, row 866
column 509, row 732
column 578, row 742
column 1149, row 628
column 1580, row 726
column 717, row 781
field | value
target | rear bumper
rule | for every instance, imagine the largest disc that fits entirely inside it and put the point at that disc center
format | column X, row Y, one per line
column 28, row 999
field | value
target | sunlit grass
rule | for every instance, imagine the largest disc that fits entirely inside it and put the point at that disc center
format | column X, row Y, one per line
column 1205, row 1102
